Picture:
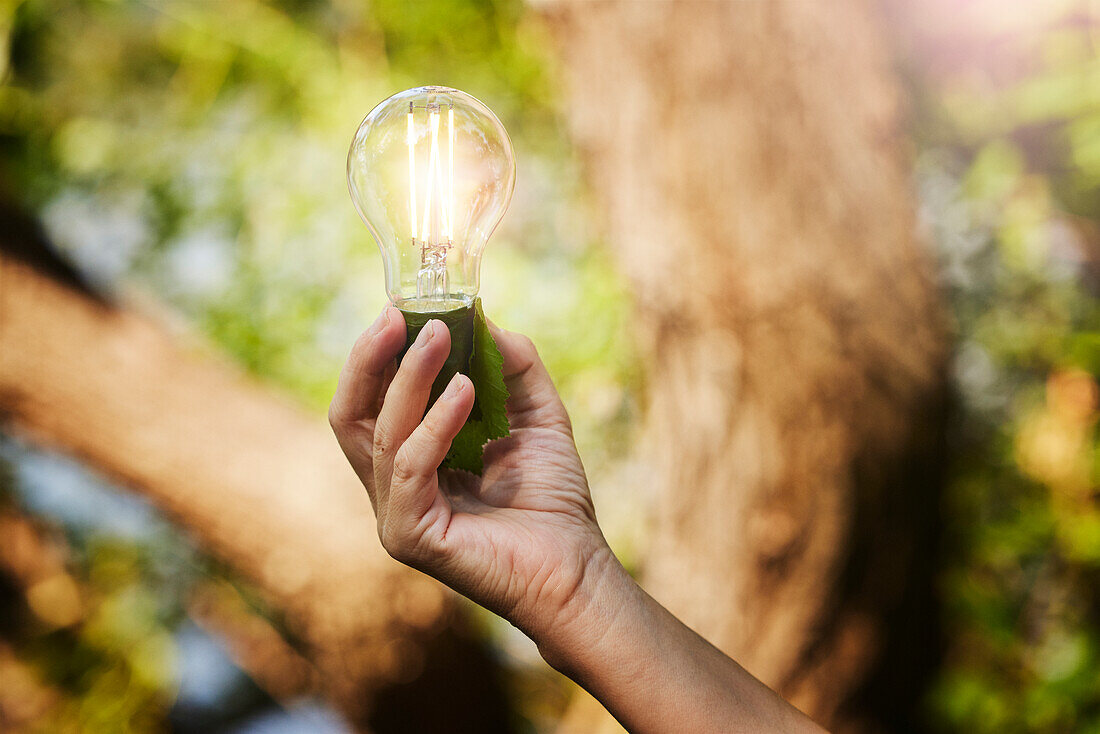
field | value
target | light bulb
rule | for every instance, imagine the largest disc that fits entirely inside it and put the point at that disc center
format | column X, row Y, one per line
column 431, row 171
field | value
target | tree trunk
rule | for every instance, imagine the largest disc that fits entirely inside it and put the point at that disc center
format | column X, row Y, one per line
column 262, row 485
column 749, row 160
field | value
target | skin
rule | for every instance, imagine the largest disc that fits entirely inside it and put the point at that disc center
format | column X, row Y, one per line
column 523, row 541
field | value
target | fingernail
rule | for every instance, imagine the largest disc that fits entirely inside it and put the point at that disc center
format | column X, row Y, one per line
column 454, row 387
column 426, row 334
column 381, row 322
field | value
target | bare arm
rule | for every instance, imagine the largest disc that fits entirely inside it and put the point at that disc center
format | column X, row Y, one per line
column 652, row 672
column 523, row 539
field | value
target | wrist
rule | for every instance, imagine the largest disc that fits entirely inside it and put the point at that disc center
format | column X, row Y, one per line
column 604, row 597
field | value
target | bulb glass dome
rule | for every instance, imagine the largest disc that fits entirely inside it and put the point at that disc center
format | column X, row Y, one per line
column 431, row 171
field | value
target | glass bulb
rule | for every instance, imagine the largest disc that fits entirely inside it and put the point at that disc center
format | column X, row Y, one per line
column 431, row 171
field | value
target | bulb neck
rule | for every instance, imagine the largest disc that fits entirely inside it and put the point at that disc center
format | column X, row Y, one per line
column 460, row 322
column 431, row 279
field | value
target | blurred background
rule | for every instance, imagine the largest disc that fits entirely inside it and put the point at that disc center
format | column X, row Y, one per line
column 173, row 173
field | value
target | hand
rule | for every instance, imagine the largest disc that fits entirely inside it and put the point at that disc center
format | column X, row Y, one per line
column 521, row 540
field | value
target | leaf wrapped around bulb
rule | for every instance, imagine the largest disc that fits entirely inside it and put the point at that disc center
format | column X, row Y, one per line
column 459, row 321
column 475, row 354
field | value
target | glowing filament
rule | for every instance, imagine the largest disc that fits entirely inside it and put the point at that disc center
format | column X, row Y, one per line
column 436, row 224
column 411, row 139
column 450, row 172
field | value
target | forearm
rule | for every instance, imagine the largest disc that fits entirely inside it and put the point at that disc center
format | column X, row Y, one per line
column 653, row 673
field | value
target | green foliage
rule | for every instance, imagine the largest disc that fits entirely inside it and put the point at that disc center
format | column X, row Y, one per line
column 1010, row 183
column 196, row 151
column 99, row 640
column 487, row 376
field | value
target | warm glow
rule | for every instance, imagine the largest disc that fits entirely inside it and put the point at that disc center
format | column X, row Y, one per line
column 411, row 139
column 450, row 172
column 436, row 227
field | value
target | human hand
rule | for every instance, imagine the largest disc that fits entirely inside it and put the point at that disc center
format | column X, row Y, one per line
column 521, row 540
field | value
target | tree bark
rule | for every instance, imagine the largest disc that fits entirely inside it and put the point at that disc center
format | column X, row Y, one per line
column 749, row 159
column 261, row 484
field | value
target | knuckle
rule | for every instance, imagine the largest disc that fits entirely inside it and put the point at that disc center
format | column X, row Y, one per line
column 391, row 542
column 527, row 345
column 383, row 440
column 397, row 544
column 560, row 421
column 335, row 415
column 431, row 430
column 404, row 471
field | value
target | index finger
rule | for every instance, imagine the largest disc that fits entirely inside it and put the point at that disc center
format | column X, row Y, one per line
column 361, row 379
column 355, row 405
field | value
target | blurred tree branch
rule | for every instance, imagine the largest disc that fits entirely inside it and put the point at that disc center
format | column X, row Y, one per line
column 254, row 643
column 261, row 484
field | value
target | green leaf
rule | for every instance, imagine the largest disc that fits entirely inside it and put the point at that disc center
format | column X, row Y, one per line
column 488, row 419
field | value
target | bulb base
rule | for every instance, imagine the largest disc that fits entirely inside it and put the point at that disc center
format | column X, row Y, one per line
column 460, row 322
